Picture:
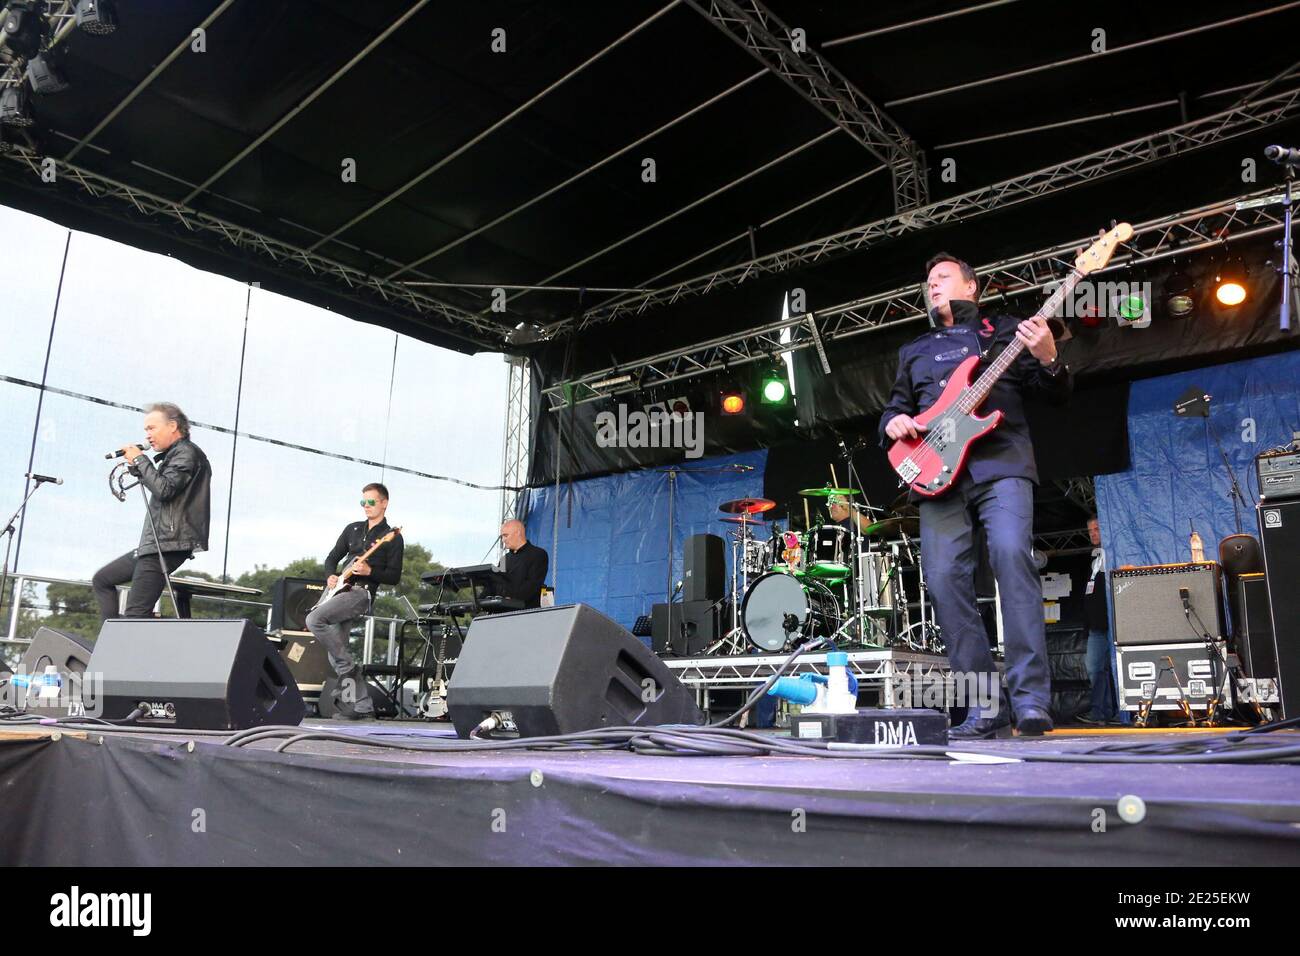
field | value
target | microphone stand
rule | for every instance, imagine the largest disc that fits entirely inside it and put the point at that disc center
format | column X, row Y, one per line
column 9, row 532
column 1287, row 277
column 1234, row 491
column 162, row 563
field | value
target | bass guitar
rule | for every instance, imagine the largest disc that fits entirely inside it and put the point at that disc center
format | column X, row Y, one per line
column 931, row 463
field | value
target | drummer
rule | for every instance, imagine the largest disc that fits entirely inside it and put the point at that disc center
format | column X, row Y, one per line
column 840, row 510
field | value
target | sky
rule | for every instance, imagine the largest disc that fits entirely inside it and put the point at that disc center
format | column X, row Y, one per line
column 133, row 327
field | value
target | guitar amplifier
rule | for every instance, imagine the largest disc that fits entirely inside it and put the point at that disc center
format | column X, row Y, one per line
column 1169, row 674
column 291, row 600
column 1149, row 608
column 1279, row 474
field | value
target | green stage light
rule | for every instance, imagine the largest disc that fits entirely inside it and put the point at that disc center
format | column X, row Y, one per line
column 775, row 388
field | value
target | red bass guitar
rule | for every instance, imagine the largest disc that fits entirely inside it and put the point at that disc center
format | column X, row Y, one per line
column 932, row 463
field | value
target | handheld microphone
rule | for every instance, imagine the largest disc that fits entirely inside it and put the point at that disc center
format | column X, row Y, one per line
column 121, row 452
column 1281, row 154
column 44, row 478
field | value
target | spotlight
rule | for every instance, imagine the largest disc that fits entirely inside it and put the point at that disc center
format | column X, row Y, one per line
column 1230, row 283
column 14, row 107
column 44, row 76
column 98, row 17
column 733, row 401
column 775, row 389
column 23, row 26
column 1179, row 296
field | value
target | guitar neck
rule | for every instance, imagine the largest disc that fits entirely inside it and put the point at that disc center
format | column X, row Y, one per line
column 984, row 384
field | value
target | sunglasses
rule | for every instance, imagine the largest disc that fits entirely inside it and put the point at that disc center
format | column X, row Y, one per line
column 369, row 502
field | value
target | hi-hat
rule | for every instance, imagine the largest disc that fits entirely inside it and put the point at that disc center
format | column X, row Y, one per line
column 906, row 525
column 745, row 519
column 747, row 506
column 829, row 492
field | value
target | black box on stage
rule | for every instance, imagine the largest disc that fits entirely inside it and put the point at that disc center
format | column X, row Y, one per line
column 887, row 727
column 1279, row 532
column 558, row 670
column 291, row 600
column 1279, row 475
column 1145, row 675
column 202, row 675
column 1255, row 633
column 307, row 660
column 685, row 629
column 704, row 568
column 70, row 654
column 1149, row 608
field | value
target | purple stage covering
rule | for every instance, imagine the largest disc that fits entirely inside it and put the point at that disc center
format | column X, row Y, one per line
column 133, row 800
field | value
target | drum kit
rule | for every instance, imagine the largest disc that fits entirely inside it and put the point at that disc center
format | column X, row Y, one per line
column 854, row 576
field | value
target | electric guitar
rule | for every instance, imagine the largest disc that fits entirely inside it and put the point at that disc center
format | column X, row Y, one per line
column 931, row 463
column 344, row 583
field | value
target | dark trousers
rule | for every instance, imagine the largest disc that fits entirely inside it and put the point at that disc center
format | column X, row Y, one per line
column 1005, row 508
column 147, row 584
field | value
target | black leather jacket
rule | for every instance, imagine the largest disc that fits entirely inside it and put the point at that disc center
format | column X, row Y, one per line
column 179, row 481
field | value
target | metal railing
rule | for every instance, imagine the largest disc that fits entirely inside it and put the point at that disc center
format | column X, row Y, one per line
column 14, row 604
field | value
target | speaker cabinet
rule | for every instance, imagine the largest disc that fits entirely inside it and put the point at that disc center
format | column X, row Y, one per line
column 291, row 600
column 68, row 652
column 202, row 675
column 1279, row 532
column 1255, row 631
column 559, row 670
column 1149, row 608
column 704, row 568
column 685, row 629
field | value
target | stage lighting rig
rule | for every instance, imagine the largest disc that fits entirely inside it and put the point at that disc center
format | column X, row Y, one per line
column 775, row 385
column 24, row 26
column 15, row 110
column 1180, row 297
column 1230, row 283
column 97, row 17
column 44, row 76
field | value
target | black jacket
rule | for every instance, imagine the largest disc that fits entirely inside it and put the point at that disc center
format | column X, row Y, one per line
column 524, row 575
column 924, row 365
column 179, row 482
column 386, row 563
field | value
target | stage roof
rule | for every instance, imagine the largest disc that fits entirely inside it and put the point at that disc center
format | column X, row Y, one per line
column 476, row 168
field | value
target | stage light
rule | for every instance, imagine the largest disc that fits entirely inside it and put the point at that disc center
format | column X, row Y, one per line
column 23, row 26
column 44, row 77
column 775, row 389
column 1179, row 294
column 14, row 108
column 733, row 401
column 1230, row 283
column 1132, row 308
column 97, row 16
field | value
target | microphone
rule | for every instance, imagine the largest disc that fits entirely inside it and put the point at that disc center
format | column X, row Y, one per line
column 121, row 452
column 735, row 467
column 1186, row 596
column 1281, row 154
column 44, row 478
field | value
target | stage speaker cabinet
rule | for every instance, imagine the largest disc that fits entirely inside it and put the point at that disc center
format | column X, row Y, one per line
column 291, row 600
column 559, row 670
column 307, row 660
column 685, row 629
column 1255, row 630
column 1279, row 532
column 70, row 654
column 1149, row 608
column 704, row 568
column 1145, row 674
column 195, row 674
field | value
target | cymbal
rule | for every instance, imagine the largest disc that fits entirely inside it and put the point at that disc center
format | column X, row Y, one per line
column 901, row 506
column 757, row 518
column 829, row 492
column 905, row 524
column 748, row 506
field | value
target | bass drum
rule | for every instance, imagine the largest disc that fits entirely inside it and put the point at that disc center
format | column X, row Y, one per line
column 780, row 609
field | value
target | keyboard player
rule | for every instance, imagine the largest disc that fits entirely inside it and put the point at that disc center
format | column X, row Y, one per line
column 525, row 567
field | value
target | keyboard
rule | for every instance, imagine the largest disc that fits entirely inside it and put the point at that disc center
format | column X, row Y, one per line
column 459, row 577
column 490, row 605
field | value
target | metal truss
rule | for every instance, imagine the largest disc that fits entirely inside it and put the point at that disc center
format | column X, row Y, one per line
column 768, row 40
column 888, row 669
column 1179, row 234
column 1245, row 117
column 347, row 281
column 514, row 457
column 1075, row 541
column 1079, row 491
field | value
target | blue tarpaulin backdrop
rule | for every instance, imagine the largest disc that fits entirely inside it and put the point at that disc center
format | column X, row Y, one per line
column 1177, row 475
column 614, row 539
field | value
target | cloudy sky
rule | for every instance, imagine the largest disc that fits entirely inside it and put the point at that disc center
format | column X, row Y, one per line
column 133, row 327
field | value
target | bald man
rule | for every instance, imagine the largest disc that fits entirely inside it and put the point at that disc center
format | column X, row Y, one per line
column 525, row 566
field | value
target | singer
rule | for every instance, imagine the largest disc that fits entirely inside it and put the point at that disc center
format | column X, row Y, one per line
column 179, row 481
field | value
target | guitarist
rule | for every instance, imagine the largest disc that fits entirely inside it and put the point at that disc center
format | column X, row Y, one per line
column 332, row 622
column 996, row 488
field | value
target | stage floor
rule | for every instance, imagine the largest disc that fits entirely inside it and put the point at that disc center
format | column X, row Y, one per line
column 139, row 799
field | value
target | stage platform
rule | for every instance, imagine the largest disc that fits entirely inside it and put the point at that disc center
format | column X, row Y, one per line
column 78, row 797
